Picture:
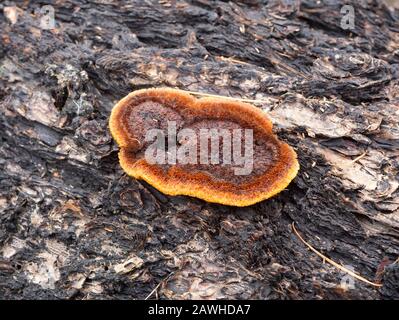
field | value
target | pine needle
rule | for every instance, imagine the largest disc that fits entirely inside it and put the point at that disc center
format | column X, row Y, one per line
column 158, row 285
column 337, row 265
column 359, row 157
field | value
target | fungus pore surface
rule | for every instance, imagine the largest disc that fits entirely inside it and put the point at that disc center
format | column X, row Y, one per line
column 274, row 162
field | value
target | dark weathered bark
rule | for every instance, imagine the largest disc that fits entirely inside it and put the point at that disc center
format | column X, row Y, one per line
column 73, row 225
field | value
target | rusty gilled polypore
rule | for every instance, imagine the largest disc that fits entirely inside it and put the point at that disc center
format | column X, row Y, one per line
column 274, row 162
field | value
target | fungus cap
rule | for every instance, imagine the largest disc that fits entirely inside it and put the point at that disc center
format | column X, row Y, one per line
column 274, row 162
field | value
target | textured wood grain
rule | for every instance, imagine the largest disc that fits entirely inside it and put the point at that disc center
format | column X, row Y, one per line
column 73, row 225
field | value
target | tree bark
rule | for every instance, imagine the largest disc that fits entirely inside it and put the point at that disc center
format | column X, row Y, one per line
column 74, row 226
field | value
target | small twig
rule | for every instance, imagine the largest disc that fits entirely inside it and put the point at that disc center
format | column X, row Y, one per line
column 78, row 105
column 224, row 97
column 333, row 262
column 359, row 157
column 158, row 285
column 232, row 60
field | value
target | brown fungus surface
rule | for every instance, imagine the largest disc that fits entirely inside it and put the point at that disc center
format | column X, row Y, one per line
column 274, row 162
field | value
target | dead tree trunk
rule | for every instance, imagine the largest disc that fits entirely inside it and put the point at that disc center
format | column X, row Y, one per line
column 73, row 225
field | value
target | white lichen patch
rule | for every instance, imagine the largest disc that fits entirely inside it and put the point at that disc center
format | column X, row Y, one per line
column 130, row 264
column 40, row 107
column 12, row 247
column 46, row 273
column 36, row 219
column 69, row 147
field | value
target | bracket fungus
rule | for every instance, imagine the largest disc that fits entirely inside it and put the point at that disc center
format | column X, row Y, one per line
column 215, row 149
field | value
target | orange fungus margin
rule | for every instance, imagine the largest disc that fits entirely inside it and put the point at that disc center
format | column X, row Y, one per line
column 274, row 162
